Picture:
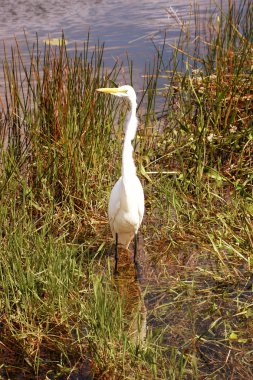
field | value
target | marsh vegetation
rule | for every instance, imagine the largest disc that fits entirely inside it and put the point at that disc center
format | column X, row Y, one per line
column 63, row 315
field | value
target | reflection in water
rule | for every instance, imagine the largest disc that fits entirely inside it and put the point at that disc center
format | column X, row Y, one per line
column 134, row 309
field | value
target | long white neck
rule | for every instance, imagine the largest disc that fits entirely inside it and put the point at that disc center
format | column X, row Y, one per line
column 128, row 167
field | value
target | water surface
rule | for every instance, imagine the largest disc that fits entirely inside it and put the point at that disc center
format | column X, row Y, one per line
column 124, row 25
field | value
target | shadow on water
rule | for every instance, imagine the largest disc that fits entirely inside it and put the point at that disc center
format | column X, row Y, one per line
column 129, row 289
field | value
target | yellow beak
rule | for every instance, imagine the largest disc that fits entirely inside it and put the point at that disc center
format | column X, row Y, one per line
column 109, row 90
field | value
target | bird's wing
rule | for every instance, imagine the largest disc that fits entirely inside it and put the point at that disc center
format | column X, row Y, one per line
column 141, row 208
column 113, row 210
column 114, row 203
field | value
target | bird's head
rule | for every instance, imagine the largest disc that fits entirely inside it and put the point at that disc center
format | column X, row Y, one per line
column 122, row 91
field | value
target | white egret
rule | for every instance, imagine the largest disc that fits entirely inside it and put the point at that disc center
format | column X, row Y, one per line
column 126, row 204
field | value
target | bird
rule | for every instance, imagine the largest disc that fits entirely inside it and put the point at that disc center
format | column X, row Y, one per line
column 126, row 203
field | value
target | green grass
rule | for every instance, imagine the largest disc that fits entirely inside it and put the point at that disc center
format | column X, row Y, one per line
column 62, row 312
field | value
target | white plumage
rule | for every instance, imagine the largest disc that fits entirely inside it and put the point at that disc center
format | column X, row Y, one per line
column 126, row 204
column 126, row 209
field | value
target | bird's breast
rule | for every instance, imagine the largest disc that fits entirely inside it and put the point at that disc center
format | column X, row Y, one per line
column 126, row 204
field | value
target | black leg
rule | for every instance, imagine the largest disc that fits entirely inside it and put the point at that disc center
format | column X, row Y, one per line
column 135, row 248
column 116, row 255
